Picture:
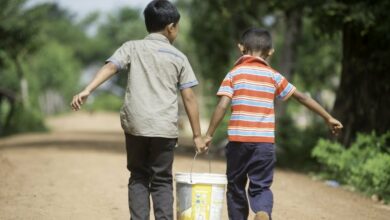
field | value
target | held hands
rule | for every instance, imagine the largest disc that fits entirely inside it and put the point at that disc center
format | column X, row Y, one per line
column 79, row 100
column 208, row 140
column 202, row 144
column 334, row 125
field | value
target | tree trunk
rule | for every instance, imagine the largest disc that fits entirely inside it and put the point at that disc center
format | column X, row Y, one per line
column 23, row 83
column 363, row 96
column 6, row 95
column 293, row 21
column 291, row 36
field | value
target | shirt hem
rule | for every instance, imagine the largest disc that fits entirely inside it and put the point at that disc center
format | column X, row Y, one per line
column 152, row 135
column 225, row 94
column 188, row 85
column 115, row 62
column 289, row 94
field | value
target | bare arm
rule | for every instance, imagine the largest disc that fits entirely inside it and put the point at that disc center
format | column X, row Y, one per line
column 218, row 115
column 106, row 72
column 311, row 104
column 191, row 107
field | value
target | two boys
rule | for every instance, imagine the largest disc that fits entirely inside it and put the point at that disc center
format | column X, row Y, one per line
column 156, row 70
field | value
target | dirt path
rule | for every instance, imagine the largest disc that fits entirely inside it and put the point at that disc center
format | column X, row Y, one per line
column 78, row 172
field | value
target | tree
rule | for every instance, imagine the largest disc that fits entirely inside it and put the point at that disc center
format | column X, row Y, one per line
column 19, row 37
column 362, row 96
column 37, row 52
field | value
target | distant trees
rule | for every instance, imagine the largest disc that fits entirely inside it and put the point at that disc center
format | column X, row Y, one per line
column 18, row 31
column 18, row 39
column 43, row 49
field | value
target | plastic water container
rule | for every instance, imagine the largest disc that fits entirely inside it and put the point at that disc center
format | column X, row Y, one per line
column 200, row 196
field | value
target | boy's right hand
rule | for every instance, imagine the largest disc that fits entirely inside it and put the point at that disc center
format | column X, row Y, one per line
column 200, row 145
column 79, row 100
column 334, row 125
column 208, row 140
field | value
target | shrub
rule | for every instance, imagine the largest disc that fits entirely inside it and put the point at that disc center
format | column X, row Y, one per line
column 25, row 120
column 105, row 102
column 365, row 165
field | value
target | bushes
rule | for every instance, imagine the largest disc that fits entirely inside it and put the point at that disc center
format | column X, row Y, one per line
column 105, row 102
column 365, row 165
column 24, row 120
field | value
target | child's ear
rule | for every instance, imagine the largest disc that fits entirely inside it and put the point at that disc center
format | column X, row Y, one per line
column 270, row 52
column 172, row 27
column 241, row 48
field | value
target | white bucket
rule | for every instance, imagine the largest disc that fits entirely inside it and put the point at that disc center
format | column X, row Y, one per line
column 199, row 196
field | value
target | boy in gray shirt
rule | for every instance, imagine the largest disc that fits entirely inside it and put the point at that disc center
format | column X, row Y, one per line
column 156, row 71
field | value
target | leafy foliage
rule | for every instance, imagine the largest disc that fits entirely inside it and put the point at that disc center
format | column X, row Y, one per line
column 365, row 165
column 17, row 31
column 40, row 50
column 119, row 27
column 54, row 67
column 24, row 120
column 105, row 102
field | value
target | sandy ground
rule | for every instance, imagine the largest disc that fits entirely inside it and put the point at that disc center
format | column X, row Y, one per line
column 78, row 171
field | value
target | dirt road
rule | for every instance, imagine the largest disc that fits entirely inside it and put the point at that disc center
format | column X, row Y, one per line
column 78, row 171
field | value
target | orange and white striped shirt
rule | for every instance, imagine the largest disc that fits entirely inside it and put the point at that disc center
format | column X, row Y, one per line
column 253, row 85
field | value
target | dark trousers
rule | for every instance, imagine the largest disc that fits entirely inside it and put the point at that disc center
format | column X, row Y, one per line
column 149, row 160
column 253, row 161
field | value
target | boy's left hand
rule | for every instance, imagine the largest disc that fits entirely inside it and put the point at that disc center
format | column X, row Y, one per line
column 335, row 126
column 79, row 100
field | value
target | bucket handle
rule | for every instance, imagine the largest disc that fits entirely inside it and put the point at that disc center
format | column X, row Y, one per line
column 193, row 161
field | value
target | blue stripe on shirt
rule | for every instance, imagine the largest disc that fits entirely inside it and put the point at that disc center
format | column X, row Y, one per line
column 252, row 103
column 251, row 133
column 252, row 118
column 278, row 78
column 254, row 88
column 251, row 72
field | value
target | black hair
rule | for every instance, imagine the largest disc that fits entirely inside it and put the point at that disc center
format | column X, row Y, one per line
column 256, row 40
column 160, row 13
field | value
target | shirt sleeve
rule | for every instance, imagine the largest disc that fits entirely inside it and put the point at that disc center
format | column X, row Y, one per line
column 187, row 78
column 121, row 57
column 226, row 88
column 284, row 89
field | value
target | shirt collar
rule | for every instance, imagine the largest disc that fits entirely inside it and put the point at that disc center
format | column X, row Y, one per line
column 246, row 59
column 157, row 36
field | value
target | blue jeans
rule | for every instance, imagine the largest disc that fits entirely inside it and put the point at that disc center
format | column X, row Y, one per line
column 253, row 161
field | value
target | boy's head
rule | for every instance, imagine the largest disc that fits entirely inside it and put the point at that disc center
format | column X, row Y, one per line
column 162, row 16
column 256, row 41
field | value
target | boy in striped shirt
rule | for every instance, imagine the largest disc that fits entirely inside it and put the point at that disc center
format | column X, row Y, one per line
column 251, row 87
